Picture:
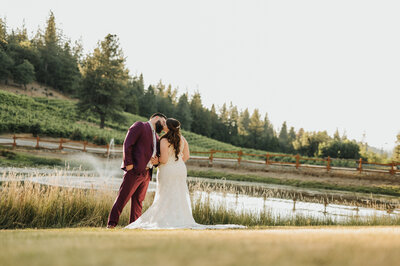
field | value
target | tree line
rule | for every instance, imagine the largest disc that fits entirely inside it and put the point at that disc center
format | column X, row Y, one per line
column 103, row 85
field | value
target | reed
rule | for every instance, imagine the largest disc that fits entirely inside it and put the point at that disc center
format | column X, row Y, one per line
column 24, row 204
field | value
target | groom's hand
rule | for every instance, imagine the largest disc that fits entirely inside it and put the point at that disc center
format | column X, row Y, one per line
column 129, row 167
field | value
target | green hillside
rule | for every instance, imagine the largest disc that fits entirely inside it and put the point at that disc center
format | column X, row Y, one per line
column 60, row 118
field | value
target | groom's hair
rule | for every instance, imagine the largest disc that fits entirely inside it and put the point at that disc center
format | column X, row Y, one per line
column 158, row 114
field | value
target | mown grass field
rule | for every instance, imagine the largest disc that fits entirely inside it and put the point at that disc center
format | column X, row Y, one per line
column 270, row 246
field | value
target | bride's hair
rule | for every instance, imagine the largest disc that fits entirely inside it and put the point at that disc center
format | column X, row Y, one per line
column 173, row 135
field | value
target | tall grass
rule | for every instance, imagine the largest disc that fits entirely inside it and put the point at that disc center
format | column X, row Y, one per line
column 24, row 204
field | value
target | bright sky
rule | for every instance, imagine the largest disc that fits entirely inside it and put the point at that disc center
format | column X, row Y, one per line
column 316, row 64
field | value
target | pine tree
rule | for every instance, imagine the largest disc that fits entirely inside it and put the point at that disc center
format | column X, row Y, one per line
column 148, row 103
column 3, row 35
column 336, row 135
column 183, row 113
column 50, row 53
column 244, row 121
column 284, row 138
column 255, row 129
column 133, row 92
column 224, row 115
column 104, row 79
column 201, row 117
column 24, row 73
column 233, row 122
column 6, row 65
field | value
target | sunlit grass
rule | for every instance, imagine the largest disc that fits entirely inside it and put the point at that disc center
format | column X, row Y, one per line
column 301, row 246
column 24, row 204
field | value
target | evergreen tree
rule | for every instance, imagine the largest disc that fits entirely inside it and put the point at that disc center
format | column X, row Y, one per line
column 201, row 117
column 292, row 138
column 244, row 121
column 3, row 35
column 336, row 135
column 284, row 138
column 164, row 100
column 68, row 77
column 233, row 122
column 224, row 115
column 133, row 92
column 49, row 50
column 183, row 113
column 216, row 126
column 255, row 129
column 6, row 64
column 104, row 79
column 24, row 73
column 148, row 103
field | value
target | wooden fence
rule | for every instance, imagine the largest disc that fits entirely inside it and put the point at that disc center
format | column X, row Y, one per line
column 64, row 144
column 267, row 159
column 240, row 157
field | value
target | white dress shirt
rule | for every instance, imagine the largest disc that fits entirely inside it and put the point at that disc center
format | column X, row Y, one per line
column 149, row 164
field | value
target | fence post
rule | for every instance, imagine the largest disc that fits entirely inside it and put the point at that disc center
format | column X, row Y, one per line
column 84, row 145
column 108, row 148
column 392, row 171
column 239, row 156
column 61, row 142
column 267, row 159
column 297, row 161
column 360, row 165
column 328, row 164
column 15, row 141
column 211, row 156
column 37, row 142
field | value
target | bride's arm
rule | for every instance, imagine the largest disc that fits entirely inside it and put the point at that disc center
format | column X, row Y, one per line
column 186, row 152
column 163, row 151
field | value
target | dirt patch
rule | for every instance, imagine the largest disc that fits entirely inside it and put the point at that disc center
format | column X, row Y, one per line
column 34, row 89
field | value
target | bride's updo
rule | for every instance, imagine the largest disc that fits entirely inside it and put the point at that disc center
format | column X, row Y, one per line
column 174, row 135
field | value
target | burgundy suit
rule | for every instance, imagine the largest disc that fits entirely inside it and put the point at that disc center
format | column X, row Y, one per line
column 138, row 149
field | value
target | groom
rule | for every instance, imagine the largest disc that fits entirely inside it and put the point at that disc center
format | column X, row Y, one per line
column 139, row 157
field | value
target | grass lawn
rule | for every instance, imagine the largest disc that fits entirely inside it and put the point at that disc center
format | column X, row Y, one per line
column 269, row 246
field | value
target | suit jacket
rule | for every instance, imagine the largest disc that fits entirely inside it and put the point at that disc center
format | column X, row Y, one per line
column 138, row 147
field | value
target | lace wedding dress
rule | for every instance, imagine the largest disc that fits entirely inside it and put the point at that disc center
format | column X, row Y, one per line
column 171, row 208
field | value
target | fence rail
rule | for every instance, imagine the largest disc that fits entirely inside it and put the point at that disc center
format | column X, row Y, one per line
column 391, row 168
column 267, row 158
column 63, row 144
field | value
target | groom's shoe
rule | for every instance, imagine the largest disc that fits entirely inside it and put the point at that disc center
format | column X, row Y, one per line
column 110, row 226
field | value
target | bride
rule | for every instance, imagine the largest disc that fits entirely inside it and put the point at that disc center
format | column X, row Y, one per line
column 171, row 208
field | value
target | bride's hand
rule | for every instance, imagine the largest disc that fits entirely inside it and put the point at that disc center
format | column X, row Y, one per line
column 154, row 160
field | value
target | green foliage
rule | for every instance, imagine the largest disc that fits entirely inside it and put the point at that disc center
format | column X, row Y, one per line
column 104, row 80
column 183, row 113
column 201, row 116
column 24, row 73
column 6, row 64
column 340, row 149
column 46, row 58
column 106, row 90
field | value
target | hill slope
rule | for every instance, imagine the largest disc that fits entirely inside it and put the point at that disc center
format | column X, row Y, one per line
column 60, row 118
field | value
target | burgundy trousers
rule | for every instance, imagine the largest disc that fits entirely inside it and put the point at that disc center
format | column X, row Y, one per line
column 134, row 188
